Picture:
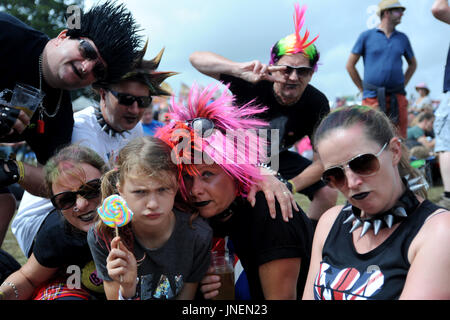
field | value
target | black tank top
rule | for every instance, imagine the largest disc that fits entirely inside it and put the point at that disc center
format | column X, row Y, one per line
column 379, row 274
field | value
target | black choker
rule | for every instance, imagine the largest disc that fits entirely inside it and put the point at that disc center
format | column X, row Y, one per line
column 404, row 207
column 105, row 126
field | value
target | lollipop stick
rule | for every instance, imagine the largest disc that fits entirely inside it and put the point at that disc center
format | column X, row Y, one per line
column 118, row 247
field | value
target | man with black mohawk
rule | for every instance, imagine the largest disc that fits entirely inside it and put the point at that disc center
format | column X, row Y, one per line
column 105, row 129
column 103, row 48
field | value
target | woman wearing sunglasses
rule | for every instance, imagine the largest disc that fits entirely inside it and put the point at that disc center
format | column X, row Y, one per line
column 214, row 143
column 387, row 242
column 61, row 265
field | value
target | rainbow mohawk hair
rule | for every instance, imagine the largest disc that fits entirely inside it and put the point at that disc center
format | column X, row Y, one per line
column 294, row 43
column 233, row 143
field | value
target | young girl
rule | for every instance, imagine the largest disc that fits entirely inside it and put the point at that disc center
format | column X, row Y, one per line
column 163, row 253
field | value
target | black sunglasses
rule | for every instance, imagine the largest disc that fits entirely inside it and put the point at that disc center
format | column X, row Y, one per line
column 301, row 71
column 365, row 165
column 67, row 199
column 88, row 52
column 127, row 99
column 202, row 126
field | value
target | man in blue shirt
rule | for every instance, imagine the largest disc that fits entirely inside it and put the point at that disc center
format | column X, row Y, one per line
column 382, row 49
column 148, row 123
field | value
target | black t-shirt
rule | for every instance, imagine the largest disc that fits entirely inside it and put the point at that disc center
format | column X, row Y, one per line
column 294, row 122
column 57, row 244
column 258, row 239
column 379, row 274
column 19, row 63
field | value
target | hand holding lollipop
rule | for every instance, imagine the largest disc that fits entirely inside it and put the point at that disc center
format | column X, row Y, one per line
column 115, row 213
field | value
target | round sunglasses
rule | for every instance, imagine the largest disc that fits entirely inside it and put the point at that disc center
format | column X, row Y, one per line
column 364, row 165
column 127, row 99
column 67, row 199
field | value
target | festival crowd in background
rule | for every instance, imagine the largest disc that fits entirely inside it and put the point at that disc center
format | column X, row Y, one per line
column 139, row 195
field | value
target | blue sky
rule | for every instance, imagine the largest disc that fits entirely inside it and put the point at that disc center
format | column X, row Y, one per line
column 244, row 30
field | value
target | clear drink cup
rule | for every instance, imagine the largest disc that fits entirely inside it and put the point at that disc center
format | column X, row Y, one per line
column 23, row 97
column 222, row 261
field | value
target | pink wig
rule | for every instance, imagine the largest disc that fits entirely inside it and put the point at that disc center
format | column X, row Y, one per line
column 233, row 143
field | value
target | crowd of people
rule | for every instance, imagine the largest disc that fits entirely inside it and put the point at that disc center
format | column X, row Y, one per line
column 220, row 170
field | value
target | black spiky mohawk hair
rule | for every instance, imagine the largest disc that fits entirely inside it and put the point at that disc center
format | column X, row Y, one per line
column 115, row 33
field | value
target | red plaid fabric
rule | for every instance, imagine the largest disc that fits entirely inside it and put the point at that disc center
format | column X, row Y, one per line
column 56, row 290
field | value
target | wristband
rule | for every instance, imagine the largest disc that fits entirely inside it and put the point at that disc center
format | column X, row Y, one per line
column 12, row 285
column 21, row 170
column 294, row 190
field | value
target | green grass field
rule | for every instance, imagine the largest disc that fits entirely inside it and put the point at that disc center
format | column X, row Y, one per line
column 10, row 244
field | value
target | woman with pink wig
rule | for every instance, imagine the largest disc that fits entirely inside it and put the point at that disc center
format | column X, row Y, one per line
column 216, row 145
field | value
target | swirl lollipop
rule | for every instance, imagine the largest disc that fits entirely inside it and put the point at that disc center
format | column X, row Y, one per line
column 115, row 212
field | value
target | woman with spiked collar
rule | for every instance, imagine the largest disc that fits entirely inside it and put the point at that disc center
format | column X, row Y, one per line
column 386, row 242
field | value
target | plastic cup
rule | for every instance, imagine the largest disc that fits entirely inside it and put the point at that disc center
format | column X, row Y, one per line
column 222, row 262
column 24, row 97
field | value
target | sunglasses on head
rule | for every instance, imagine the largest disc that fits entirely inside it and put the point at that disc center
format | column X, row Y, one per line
column 88, row 52
column 202, row 126
column 67, row 199
column 301, row 71
column 365, row 165
column 127, row 99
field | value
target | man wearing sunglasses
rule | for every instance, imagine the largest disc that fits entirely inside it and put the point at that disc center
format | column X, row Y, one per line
column 382, row 49
column 294, row 106
column 102, row 48
column 104, row 129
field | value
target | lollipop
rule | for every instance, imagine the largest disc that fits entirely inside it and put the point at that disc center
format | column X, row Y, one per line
column 115, row 212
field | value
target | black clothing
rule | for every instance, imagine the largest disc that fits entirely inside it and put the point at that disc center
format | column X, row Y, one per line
column 293, row 122
column 19, row 63
column 58, row 244
column 258, row 239
column 378, row 274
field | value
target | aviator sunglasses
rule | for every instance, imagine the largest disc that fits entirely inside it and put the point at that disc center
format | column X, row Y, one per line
column 127, row 99
column 88, row 52
column 364, row 165
column 67, row 199
column 301, row 71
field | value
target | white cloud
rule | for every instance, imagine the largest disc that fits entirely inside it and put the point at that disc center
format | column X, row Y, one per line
column 244, row 30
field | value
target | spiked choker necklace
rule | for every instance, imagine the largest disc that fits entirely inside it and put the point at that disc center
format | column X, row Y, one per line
column 404, row 207
column 105, row 126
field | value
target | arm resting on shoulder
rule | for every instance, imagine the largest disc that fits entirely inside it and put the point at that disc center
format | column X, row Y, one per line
column 309, row 176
